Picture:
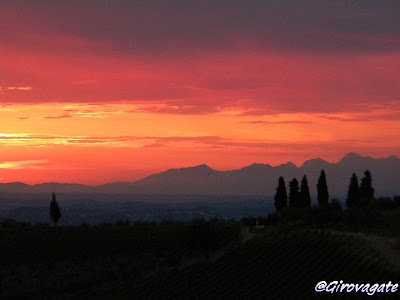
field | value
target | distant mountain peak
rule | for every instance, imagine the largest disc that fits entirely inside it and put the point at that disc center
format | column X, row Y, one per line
column 314, row 162
column 351, row 156
column 199, row 169
column 203, row 166
column 288, row 165
column 393, row 158
column 357, row 157
column 255, row 167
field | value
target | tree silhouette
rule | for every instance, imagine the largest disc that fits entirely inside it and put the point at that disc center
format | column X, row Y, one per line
column 366, row 189
column 294, row 194
column 353, row 194
column 322, row 189
column 281, row 195
column 305, row 197
column 55, row 213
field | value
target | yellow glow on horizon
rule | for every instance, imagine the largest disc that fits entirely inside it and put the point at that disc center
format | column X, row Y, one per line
column 22, row 164
column 130, row 140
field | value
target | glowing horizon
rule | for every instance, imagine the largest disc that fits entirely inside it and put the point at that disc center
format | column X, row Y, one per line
column 132, row 89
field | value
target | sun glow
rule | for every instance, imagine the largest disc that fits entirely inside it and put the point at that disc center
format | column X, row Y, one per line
column 76, row 103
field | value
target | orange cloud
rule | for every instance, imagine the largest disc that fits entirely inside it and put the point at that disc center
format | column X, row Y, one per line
column 58, row 117
column 278, row 122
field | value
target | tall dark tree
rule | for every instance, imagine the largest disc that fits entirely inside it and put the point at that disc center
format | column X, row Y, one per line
column 353, row 194
column 281, row 195
column 55, row 213
column 366, row 189
column 305, row 193
column 294, row 194
column 322, row 189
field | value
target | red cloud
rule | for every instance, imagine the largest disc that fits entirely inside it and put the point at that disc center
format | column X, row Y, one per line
column 234, row 61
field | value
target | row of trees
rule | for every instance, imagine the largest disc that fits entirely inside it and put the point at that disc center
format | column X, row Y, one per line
column 358, row 195
column 300, row 197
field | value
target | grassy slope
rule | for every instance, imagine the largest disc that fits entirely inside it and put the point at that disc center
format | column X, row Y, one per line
column 54, row 261
column 277, row 264
column 145, row 261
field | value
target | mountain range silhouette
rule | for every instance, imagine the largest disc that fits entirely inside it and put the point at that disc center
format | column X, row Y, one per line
column 256, row 179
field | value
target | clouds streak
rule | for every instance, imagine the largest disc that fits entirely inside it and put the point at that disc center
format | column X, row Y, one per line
column 286, row 56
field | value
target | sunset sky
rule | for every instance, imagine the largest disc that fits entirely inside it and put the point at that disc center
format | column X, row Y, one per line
column 102, row 91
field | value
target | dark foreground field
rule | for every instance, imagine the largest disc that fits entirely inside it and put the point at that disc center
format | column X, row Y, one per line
column 197, row 260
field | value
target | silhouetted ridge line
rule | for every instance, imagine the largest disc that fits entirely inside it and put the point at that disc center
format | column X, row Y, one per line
column 256, row 179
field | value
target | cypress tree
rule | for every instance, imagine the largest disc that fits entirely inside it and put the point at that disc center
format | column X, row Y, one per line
column 353, row 194
column 55, row 213
column 281, row 195
column 322, row 189
column 366, row 189
column 305, row 193
column 294, row 194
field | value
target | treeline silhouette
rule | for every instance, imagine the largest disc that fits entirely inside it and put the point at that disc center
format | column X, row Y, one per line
column 363, row 212
column 358, row 196
column 296, row 204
